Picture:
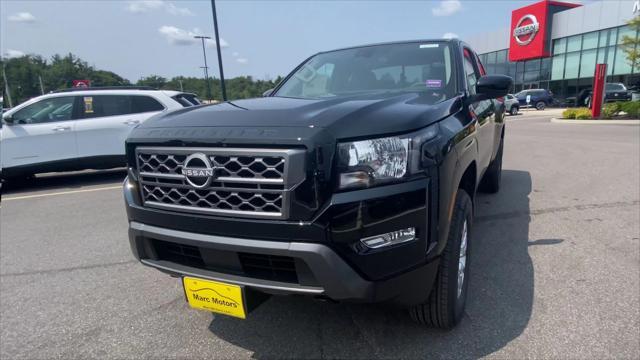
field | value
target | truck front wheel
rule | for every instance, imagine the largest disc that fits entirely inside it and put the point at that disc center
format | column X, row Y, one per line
column 445, row 306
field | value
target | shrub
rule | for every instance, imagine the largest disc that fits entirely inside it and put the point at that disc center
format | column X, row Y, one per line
column 632, row 108
column 583, row 114
column 610, row 110
column 569, row 113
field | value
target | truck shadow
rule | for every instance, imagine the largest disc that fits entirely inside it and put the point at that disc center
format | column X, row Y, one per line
column 498, row 309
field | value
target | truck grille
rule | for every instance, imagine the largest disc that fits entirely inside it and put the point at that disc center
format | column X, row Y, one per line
column 223, row 181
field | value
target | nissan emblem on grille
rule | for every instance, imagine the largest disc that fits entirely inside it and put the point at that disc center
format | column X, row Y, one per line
column 221, row 181
column 198, row 171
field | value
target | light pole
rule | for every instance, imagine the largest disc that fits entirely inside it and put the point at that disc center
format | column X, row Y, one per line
column 215, row 27
column 206, row 68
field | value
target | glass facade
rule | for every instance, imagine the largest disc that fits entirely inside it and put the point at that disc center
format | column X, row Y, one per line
column 569, row 72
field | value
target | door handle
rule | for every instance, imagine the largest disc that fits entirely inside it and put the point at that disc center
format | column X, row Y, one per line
column 62, row 128
column 132, row 122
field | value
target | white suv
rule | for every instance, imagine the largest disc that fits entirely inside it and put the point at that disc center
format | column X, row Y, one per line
column 78, row 128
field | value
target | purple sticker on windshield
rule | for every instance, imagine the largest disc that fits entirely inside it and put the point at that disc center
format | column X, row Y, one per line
column 434, row 84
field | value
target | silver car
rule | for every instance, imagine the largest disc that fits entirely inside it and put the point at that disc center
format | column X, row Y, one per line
column 511, row 104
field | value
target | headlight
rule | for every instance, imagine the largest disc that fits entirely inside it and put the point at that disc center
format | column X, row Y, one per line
column 377, row 161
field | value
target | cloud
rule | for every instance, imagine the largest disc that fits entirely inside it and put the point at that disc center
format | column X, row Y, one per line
column 11, row 53
column 450, row 35
column 22, row 17
column 145, row 6
column 242, row 60
column 174, row 10
column 181, row 37
column 447, row 8
column 235, row 54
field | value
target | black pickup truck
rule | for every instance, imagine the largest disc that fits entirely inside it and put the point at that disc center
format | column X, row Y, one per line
column 353, row 180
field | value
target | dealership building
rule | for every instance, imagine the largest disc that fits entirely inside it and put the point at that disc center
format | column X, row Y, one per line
column 556, row 45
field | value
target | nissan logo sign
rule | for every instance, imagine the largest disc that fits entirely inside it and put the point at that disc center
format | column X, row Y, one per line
column 524, row 34
column 198, row 171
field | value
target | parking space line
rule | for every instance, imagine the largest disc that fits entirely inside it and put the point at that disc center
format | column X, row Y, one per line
column 60, row 193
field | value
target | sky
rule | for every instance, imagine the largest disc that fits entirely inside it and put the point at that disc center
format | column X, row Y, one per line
column 263, row 39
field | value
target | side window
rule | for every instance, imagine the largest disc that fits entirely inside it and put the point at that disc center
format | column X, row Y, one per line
column 470, row 72
column 46, row 110
column 142, row 104
column 105, row 105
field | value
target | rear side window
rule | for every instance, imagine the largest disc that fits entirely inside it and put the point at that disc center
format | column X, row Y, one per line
column 115, row 105
column 141, row 104
column 187, row 100
column 106, row 105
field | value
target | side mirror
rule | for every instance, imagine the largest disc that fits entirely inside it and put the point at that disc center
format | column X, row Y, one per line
column 492, row 87
column 267, row 93
column 7, row 119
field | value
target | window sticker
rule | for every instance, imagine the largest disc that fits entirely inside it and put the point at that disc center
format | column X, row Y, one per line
column 88, row 105
column 306, row 73
column 428, row 46
column 434, row 84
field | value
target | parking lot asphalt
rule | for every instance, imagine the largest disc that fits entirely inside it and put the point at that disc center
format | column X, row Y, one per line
column 555, row 271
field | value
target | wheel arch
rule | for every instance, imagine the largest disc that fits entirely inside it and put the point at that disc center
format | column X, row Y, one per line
column 468, row 180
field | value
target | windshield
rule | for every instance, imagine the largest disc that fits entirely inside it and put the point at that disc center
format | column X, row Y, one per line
column 615, row 87
column 425, row 67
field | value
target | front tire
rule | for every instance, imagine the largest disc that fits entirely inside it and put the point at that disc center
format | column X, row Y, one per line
column 445, row 307
column 514, row 111
column 540, row 105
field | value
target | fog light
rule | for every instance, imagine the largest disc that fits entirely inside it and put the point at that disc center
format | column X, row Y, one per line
column 390, row 238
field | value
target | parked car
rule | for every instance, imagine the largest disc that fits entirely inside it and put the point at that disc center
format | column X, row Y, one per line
column 353, row 180
column 511, row 104
column 539, row 98
column 78, row 128
column 612, row 92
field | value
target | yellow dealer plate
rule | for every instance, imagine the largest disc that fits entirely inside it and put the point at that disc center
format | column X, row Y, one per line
column 214, row 296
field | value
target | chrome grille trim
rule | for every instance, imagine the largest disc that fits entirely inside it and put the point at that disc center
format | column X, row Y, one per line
column 257, row 182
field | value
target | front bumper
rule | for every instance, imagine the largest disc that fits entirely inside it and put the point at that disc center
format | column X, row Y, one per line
column 317, row 257
column 327, row 274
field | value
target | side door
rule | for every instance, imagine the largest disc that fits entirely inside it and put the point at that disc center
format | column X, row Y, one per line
column 107, row 120
column 42, row 132
column 483, row 112
column 522, row 97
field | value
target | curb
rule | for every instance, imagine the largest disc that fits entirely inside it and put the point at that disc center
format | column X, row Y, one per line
column 595, row 122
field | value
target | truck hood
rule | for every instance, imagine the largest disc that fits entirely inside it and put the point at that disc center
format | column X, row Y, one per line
column 349, row 117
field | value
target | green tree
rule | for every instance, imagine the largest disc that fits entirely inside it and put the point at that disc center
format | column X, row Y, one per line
column 107, row 78
column 154, row 81
column 23, row 77
column 630, row 45
column 62, row 70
